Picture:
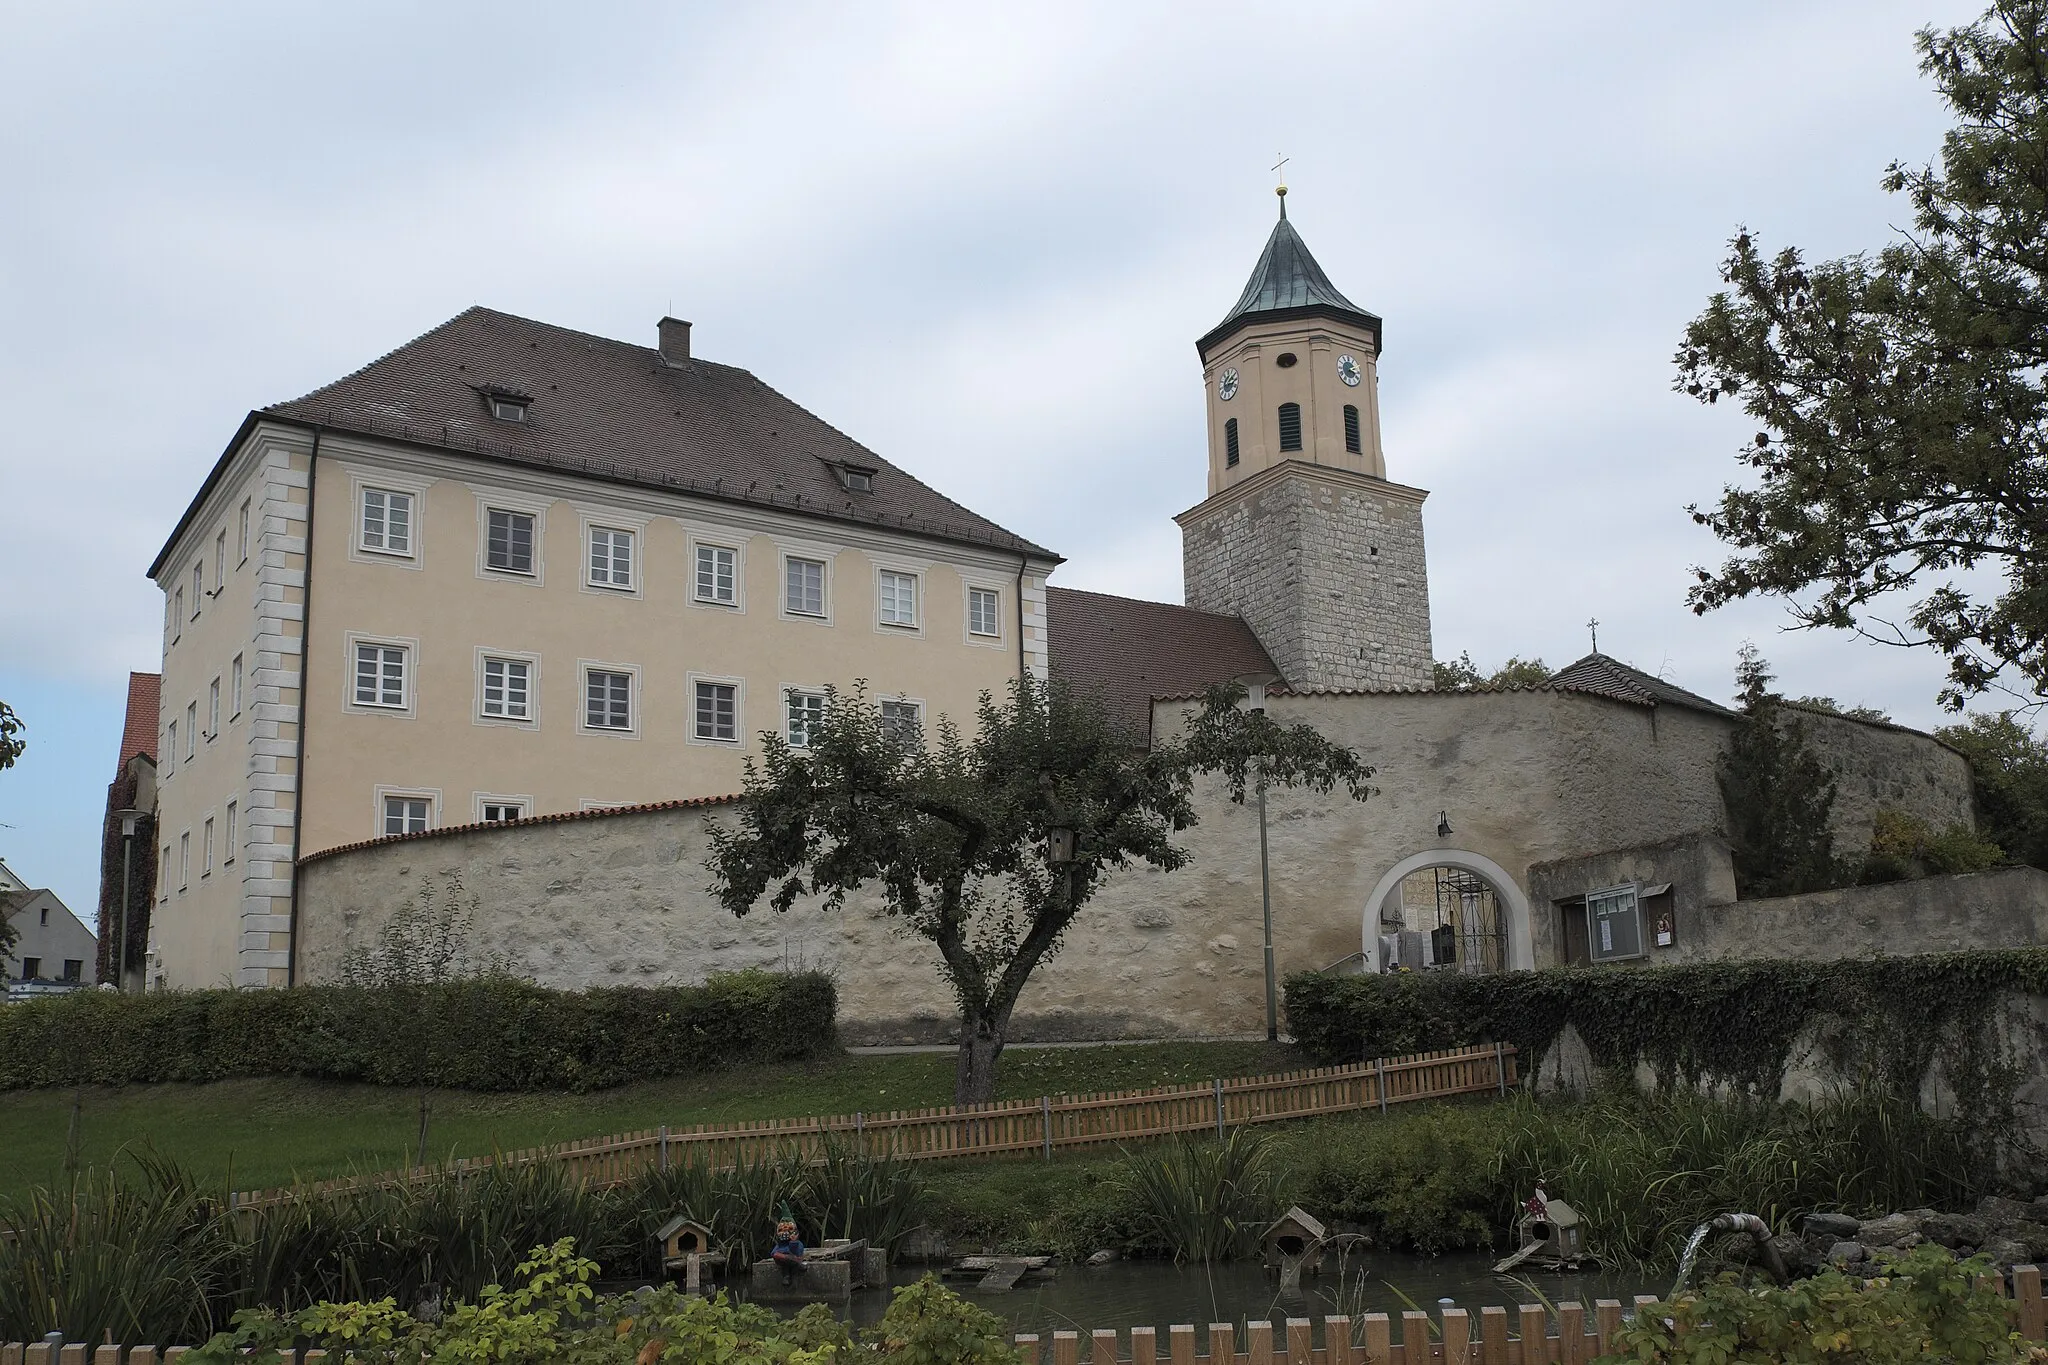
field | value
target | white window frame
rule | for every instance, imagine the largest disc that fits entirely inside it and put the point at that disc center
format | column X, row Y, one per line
column 489, row 500
column 916, row 574
column 235, row 689
column 191, row 730
column 184, row 862
column 588, row 803
column 824, row 565
column 735, row 548
column 163, row 875
column 242, row 534
column 789, row 697
column 198, row 586
column 170, row 747
column 213, row 711
column 411, row 651
column 234, row 831
column 591, row 531
column 1627, row 901
column 364, row 480
column 479, row 800
column 485, row 655
column 431, row 796
column 206, row 848
column 220, row 561
column 384, row 549
column 586, row 667
column 923, row 711
column 177, row 615
column 739, row 710
column 968, row 588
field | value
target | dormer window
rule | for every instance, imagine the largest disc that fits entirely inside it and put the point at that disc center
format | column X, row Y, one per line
column 508, row 409
column 855, row 478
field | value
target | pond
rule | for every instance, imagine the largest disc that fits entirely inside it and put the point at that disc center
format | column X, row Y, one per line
column 1159, row 1294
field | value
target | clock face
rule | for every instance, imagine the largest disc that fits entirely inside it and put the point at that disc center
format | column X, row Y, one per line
column 1348, row 371
column 1226, row 385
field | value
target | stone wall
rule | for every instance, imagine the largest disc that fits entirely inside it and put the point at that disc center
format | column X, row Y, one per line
column 1328, row 569
column 1523, row 777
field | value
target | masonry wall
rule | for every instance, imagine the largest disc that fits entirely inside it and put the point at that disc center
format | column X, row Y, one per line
column 1524, row 777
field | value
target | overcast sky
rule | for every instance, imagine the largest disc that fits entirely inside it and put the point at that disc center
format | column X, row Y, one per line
column 980, row 240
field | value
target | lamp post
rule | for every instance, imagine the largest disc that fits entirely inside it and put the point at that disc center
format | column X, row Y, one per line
column 128, row 818
column 1255, row 685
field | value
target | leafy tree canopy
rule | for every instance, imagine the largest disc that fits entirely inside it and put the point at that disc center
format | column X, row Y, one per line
column 1461, row 674
column 957, row 834
column 1779, row 796
column 11, row 742
column 2009, row 768
column 1835, row 708
column 1903, row 397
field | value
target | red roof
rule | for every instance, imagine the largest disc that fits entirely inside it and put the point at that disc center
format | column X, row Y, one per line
column 1126, row 651
column 138, row 731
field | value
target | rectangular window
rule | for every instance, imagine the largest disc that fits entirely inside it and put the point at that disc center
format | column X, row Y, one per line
column 184, row 860
column 1614, row 922
column 508, row 689
column 220, row 561
column 717, row 711
column 235, row 688
column 191, row 730
column 31, row 969
column 171, row 750
column 1290, row 426
column 1230, row 443
column 1352, row 440
column 213, row 709
column 611, row 558
column 508, row 543
column 380, row 675
column 405, row 814
column 177, row 615
column 984, row 607
column 803, row 586
column 806, row 714
column 498, row 812
column 387, row 521
column 206, row 849
column 899, row 598
column 74, row 968
column 163, row 874
column 902, row 720
column 715, row 578
column 242, row 533
column 198, row 588
column 234, row 830
column 607, row 700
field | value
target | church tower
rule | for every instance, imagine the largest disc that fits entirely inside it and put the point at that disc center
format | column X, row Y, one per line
column 1301, row 534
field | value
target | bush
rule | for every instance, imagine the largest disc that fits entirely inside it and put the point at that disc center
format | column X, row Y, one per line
column 483, row 1033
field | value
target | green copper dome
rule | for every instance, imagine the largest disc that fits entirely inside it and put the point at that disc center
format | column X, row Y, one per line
column 1287, row 283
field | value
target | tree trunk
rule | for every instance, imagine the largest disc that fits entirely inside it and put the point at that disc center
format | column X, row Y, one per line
column 981, row 1043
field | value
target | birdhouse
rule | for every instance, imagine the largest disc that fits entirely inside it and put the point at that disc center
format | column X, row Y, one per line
column 1295, row 1237
column 681, row 1238
column 1551, row 1236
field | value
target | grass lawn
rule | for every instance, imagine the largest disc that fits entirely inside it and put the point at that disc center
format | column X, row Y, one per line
column 252, row 1134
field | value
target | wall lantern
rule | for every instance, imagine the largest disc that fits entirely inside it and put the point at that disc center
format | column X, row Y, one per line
column 1443, row 824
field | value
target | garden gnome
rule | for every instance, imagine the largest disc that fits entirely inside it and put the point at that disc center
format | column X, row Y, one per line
column 789, row 1248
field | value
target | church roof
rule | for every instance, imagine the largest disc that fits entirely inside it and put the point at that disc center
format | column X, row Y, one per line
column 138, row 725
column 1125, row 652
column 1608, row 677
column 613, row 411
column 1287, row 283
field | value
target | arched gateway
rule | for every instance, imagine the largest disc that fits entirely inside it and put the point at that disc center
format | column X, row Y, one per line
column 1479, row 902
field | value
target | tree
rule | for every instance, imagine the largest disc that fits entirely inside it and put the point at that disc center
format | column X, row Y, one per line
column 1835, row 708
column 11, row 743
column 1462, row 675
column 1904, row 398
column 2009, row 770
column 965, row 837
column 1780, row 797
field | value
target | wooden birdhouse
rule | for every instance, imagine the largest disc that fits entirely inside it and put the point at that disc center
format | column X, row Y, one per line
column 1552, row 1236
column 1294, row 1238
column 682, row 1238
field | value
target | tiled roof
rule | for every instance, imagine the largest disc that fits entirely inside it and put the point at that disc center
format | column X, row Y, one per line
column 1287, row 282
column 1607, row 677
column 563, row 817
column 138, row 727
column 615, row 411
column 1126, row 652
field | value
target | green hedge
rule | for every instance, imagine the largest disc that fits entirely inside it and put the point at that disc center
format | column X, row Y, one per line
column 1732, row 1020
column 482, row 1034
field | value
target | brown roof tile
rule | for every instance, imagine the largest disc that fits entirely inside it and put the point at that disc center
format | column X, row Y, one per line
column 1126, row 652
column 559, row 818
column 138, row 727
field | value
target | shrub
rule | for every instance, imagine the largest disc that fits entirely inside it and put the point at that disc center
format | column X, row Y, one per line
column 484, row 1033
column 1203, row 1200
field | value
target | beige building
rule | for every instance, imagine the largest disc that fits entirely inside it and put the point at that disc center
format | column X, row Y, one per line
column 511, row 570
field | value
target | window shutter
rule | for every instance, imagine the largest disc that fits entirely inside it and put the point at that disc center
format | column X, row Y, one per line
column 1351, row 441
column 1230, row 444
column 1290, row 426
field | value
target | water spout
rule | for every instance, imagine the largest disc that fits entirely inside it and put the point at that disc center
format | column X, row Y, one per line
column 1756, row 1227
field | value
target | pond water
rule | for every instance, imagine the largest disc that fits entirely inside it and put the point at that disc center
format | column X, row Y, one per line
column 1159, row 1294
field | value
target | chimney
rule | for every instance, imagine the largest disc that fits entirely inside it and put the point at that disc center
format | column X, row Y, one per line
column 675, row 342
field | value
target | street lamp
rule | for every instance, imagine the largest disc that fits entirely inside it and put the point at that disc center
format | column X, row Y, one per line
column 128, row 819
column 1255, row 685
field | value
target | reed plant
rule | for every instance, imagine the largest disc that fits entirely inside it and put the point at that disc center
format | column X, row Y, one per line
column 1202, row 1199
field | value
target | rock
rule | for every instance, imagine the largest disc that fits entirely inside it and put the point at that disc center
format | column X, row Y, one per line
column 2037, row 1212
column 1103, row 1257
column 1837, row 1226
column 1847, row 1253
column 1892, row 1230
column 1955, row 1230
column 2006, row 1251
column 2034, row 1236
column 1793, row 1254
column 2000, row 1214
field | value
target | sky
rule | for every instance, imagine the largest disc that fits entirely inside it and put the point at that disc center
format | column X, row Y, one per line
column 980, row 239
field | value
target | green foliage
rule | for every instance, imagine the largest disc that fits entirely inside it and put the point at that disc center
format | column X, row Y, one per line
column 1461, row 674
column 1429, row 1180
column 426, row 942
column 2009, row 769
column 1726, row 1022
column 1926, row 1307
column 1902, row 397
column 1778, row 794
column 957, row 834
column 1835, row 708
column 12, row 745
column 1904, row 846
column 1203, row 1200
column 491, row 1033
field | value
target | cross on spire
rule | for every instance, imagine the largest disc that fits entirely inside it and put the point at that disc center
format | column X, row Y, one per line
column 1280, row 169
column 1594, row 626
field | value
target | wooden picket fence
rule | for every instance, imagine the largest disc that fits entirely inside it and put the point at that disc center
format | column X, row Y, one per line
column 1010, row 1127
column 1572, row 1337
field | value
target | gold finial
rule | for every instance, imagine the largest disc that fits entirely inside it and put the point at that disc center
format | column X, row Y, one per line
column 1280, row 169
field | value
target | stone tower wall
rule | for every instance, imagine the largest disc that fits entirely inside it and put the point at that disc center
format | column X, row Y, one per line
column 1326, row 567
